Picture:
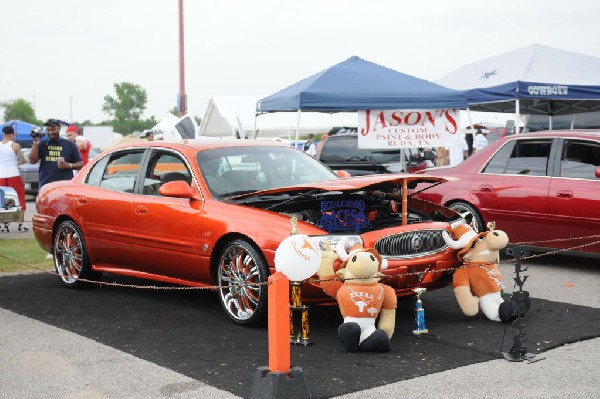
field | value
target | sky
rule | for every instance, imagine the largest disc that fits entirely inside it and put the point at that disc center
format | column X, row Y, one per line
column 64, row 56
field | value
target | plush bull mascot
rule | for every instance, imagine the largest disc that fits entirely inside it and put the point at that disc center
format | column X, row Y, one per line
column 360, row 296
column 477, row 285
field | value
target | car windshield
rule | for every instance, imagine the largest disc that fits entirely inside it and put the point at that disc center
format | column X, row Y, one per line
column 238, row 170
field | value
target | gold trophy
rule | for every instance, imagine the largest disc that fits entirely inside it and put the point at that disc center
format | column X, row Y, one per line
column 299, row 327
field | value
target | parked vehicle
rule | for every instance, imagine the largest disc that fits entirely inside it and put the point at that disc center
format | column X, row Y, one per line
column 542, row 188
column 10, row 207
column 341, row 152
column 204, row 212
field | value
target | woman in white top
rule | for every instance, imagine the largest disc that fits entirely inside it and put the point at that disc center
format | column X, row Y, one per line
column 10, row 159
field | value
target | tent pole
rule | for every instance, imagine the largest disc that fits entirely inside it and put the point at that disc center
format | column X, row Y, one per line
column 470, row 119
column 297, row 130
column 517, row 116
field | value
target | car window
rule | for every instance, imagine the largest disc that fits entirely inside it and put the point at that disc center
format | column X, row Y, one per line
column 164, row 167
column 237, row 170
column 345, row 149
column 117, row 172
column 523, row 157
column 579, row 159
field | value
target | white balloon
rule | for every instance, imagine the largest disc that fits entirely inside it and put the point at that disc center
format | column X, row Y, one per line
column 298, row 257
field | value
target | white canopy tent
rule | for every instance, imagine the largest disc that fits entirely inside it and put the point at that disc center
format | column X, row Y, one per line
column 226, row 115
column 533, row 80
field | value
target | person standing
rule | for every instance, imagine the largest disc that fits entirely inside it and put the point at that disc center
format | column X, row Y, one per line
column 310, row 147
column 148, row 135
column 320, row 145
column 58, row 157
column 83, row 145
column 480, row 141
column 10, row 159
column 458, row 151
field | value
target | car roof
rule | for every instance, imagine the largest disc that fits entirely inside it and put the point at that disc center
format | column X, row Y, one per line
column 199, row 144
column 588, row 133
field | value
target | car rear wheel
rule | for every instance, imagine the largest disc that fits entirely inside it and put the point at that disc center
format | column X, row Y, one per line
column 240, row 264
column 469, row 214
column 70, row 256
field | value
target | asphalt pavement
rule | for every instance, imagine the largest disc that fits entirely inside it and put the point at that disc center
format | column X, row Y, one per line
column 40, row 360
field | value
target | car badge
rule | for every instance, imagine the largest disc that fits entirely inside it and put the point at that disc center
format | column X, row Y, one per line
column 416, row 243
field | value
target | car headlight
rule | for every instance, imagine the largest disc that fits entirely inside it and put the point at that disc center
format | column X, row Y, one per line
column 332, row 240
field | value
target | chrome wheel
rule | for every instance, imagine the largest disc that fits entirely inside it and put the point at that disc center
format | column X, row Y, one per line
column 240, row 265
column 70, row 255
column 469, row 214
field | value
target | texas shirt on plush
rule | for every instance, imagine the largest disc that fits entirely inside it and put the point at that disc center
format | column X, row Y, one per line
column 49, row 152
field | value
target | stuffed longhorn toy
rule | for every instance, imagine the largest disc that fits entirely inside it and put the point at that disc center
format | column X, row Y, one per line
column 360, row 296
column 477, row 285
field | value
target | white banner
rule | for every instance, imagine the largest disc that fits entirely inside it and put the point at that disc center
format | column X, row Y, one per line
column 408, row 128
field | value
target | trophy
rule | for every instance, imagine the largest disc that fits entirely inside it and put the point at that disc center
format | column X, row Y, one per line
column 420, row 313
column 299, row 326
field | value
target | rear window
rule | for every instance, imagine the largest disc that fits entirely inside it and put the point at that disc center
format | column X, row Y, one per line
column 345, row 149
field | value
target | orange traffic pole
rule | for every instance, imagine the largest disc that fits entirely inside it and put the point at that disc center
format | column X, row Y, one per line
column 279, row 327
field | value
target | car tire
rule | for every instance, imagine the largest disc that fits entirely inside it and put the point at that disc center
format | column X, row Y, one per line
column 241, row 263
column 469, row 214
column 71, row 260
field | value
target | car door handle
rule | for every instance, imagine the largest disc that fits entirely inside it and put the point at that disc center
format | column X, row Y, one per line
column 141, row 210
column 486, row 188
column 81, row 200
column 564, row 194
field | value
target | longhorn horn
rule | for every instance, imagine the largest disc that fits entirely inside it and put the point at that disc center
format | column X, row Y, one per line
column 340, row 248
column 462, row 242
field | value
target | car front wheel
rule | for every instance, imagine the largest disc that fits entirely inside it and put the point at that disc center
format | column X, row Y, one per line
column 241, row 265
column 70, row 256
column 469, row 214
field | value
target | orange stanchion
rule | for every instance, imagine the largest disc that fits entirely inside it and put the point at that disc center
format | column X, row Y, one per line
column 278, row 380
column 279, row 316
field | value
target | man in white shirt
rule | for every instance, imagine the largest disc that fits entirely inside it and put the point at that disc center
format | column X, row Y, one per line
column 458, row 152
column 480, row 141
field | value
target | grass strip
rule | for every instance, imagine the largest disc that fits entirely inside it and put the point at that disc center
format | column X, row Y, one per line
column 20, row 254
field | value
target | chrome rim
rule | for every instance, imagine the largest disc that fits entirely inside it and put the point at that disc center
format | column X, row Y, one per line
column 237, row 269
column 467, row 215
column 68, row 253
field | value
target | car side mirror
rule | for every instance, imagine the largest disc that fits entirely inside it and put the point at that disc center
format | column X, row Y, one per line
column 342, row 173
column 178, row 189
column 597, row 172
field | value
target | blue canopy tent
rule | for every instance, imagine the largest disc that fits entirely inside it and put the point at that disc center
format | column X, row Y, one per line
column 356, row 84
column 535, row 80
column 22, row 130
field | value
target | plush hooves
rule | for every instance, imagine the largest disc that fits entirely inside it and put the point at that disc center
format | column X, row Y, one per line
column 508, row 309
column 350, row 336
column 376, row 342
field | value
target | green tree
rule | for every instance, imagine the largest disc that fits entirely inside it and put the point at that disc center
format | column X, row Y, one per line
column 19, row 109
column 127, row 108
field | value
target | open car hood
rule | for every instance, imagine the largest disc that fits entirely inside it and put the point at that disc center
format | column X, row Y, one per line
column 368, row 182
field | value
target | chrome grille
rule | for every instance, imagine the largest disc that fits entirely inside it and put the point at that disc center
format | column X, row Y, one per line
column 411, row 244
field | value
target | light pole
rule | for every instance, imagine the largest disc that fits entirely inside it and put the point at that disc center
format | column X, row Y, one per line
column 182, row 97
column 71, row 108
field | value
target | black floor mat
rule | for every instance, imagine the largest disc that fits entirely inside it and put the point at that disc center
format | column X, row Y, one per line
column 187, row 331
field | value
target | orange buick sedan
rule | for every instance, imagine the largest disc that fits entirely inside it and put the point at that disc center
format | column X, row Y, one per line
column 213, row 212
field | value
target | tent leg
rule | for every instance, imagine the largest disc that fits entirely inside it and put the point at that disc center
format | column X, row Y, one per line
column 517, row 116
column 297, row 130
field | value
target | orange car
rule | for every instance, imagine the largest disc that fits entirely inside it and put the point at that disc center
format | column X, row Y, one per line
column 213, row 212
